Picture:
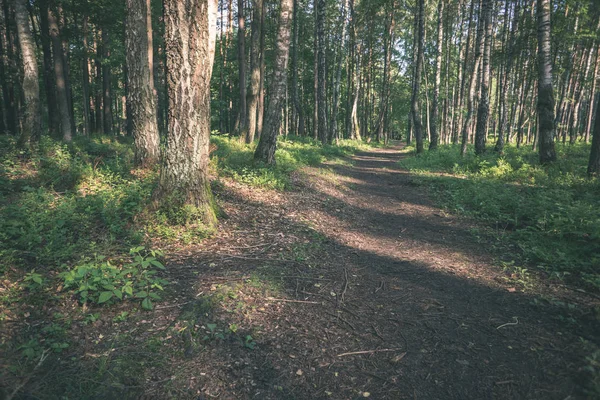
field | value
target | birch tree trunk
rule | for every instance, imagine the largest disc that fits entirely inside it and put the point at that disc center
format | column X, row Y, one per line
column 438, row 74
column 265, row 151
column 545, row 101
column 484, row 101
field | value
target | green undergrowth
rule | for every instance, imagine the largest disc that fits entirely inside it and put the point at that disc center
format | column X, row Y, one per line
column 235, row 160
column 552, row 214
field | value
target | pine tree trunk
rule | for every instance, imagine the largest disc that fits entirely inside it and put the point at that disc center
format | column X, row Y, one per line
column 545, row 102
column 295, row 96
column 241, row 116
column 593, row 99
column 334, row 131
column 141, row 101
column 252, row 102
column 265, row 151
column 59, row 76
column 98, row 94
column 484, row 101
column 438, row 75
column 31, row 90
column 53, row 120
column 415, row 111
column 190, row 33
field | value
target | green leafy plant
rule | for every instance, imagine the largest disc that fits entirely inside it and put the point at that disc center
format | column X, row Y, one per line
column 34, row 281
column 100, row 281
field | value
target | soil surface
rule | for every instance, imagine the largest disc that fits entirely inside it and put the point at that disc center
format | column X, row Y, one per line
column 351, row 285
column 373, row 268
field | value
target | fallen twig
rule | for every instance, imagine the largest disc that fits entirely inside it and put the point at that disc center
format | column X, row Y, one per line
column 510, row 323
column 354, row 353
column 294, row 301
column 28, row 377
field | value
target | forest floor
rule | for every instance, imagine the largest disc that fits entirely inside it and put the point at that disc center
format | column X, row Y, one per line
column 351, row 285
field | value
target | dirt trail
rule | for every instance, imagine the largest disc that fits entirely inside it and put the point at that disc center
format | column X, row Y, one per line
column 371, row 267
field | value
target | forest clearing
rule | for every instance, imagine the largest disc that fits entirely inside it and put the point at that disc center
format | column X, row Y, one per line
column 299, row 199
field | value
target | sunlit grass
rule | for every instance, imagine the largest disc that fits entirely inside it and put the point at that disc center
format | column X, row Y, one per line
column 551, row 213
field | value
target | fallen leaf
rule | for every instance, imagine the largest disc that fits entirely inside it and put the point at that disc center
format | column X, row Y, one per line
column 299, row 372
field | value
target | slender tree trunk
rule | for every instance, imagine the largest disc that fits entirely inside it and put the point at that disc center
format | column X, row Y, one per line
column 593, row 98
column 265, row 151
column 190, row 33
column 295, row 96
column 479, row 43
column 321, row 74
column 53, row 116
column 59, row 77
column 260, row 112
column 85, row 80
column 594, row 161
column 438, row 74
column 98, row 86
column 241, row 116
column 419, row 24
column 252, row 102
column 484, row 100
column 545, row 103
column 106, row 86
column 463, row 71
column 333, row 131
column 141, row 100
column 31, row 115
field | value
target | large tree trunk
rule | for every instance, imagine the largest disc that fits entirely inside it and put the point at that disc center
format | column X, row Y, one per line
column 190, row 32
column 141, row 101
column 321, row 73
column 31, row 90
column 545, row 103
column 265, row 151
column 419, row 39
column 59, row 76
column 484, row 100
column 98, row 95
column 252, row 103
column 438, row 74
column 333, row 130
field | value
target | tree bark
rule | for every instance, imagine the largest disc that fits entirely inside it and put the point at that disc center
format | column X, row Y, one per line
column 85, row 81
column 321, row 73
column 252, row 99
column 415, row 111
column 295, row 96
column 31, row 90
column 190, row 33
column 241, row 116
column 484, row 100
column 141, row 101
column 265, row 151
column 438, row 74
column 594, row 161
column 479, row 43
column 545, row 102
column 106, row 85
column 51, row 102
column 59, row 76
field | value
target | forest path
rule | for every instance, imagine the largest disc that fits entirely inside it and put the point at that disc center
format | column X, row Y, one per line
column 370, row 265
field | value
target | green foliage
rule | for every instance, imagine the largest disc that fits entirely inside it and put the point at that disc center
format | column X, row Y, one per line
column 99, row 281
column 62, row 200
column 551, row 213
column 236, row 160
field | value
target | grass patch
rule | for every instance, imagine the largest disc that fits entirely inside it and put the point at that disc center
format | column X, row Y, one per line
column 236, row 160
column 552, row 214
